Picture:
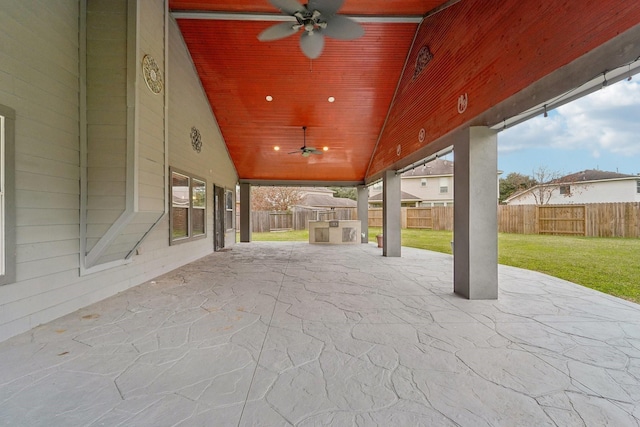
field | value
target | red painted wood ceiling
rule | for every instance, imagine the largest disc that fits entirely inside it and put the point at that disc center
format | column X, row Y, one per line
column 238, row 72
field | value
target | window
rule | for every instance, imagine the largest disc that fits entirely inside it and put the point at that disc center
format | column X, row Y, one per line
column 228, row 205
column 188, row 207
column 423, row 182
column 638, row 186
column 444, row 185
column 7, row 197
column 565, row 190
column 199, row 203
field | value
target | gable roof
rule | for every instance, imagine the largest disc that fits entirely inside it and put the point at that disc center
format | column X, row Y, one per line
column 591, row 175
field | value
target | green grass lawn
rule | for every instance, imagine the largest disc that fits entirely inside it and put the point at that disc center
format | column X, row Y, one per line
column 610, row 265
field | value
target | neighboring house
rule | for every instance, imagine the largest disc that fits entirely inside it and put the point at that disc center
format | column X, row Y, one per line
column 589, row 186
column 427, row 185
column 322, row 198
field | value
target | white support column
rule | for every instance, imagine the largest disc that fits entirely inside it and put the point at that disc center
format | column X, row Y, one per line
column 245, row 212
column 475, row 230
column 391, row 212
column 363, row 212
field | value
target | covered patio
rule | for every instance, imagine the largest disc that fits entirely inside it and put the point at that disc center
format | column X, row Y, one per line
column 284, row 333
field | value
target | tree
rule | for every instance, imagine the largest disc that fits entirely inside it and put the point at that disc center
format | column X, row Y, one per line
column 274, row 198
column 346, row 193
column 544, row 177
column 513, row 183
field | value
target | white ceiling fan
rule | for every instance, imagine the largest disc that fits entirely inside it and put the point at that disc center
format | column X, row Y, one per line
column 319, row 18
column 304, row 150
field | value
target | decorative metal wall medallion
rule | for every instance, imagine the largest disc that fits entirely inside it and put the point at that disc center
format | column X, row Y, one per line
column 421, row 135
column 152, row 74
column 398, row 149
column 196, row 139
column 463, row 101
column 424, row 57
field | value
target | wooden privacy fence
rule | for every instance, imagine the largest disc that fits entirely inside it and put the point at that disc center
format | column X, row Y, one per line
column 296, row 219
column 594, row 220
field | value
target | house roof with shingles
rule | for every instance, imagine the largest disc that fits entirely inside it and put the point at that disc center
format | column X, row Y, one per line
column 326, row 201
column 404, row 196
column 591, row 175
column 436, row 167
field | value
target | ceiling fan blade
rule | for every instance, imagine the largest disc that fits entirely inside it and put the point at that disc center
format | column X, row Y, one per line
column 288, row 7
column 343, row 28
column 278, row 31
column 305, row 154
column 326, row 7
column 312, row 44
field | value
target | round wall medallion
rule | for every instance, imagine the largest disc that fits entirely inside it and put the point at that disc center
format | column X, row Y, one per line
column 196, row 139
column 421, row 135
column 424, row 57
column 463, row 102
column 152, row 74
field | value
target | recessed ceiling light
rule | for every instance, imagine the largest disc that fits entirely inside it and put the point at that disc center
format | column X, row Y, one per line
column 331, row 99
column 269, row 98
column 325, row 148
column 276, row 148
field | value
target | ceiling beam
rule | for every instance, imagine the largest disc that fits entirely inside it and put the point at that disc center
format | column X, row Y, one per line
column 232, row 16
column 294, row 183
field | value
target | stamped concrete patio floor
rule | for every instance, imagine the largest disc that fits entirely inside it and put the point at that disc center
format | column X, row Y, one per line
column 277, row 334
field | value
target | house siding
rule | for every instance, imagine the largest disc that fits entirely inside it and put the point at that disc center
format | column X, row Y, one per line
column 611, row 191
column 40, row 80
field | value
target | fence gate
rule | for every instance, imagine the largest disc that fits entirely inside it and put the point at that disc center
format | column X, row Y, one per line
column 567, row 219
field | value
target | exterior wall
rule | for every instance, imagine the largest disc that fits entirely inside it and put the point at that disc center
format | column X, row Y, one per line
column 106, row 111
column 613, row 191
column 189, row 108
column 39, row 79
column 430, row 193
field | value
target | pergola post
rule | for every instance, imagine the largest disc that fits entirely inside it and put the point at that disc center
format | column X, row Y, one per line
column 391, row 214
column 363, row 212
column 245, row 212
column 475, row 230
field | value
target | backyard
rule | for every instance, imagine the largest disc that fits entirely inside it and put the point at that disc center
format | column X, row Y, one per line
column 610, row 265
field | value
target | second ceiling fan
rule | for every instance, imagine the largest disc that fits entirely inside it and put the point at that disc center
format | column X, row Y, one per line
column 318, row 18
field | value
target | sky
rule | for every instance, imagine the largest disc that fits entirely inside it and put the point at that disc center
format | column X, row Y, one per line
column 598, row 131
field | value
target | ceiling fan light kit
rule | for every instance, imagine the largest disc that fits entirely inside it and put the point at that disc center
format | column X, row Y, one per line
column 318, row 19
column 304, row 150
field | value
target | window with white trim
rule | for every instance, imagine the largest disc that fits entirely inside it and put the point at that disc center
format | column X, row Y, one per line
column 228, row 205
column 188, row 207
column 444, row 185
column 638, row 186
column 423, row 182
